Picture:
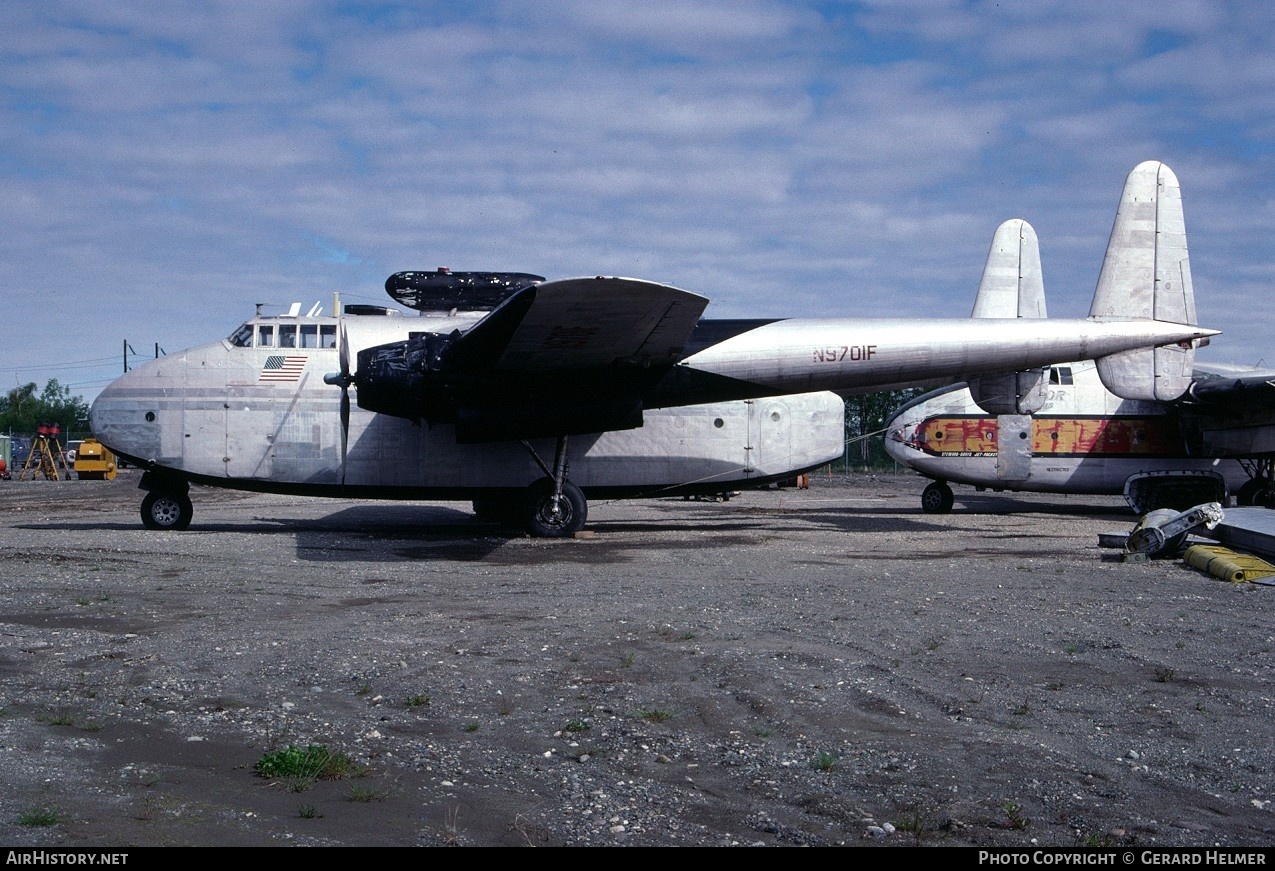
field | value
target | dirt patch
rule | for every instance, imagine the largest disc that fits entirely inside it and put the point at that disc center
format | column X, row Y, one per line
column 820, row 667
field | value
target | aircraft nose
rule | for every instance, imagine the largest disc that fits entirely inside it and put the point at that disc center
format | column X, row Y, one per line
column 121, row 420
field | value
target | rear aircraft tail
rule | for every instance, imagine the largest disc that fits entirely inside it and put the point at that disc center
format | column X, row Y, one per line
column 1147, row 274
column 1013, row 286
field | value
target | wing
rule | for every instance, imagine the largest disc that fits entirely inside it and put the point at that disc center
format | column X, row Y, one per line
column 1237, row 387
column 582, row 324
column 558, row 358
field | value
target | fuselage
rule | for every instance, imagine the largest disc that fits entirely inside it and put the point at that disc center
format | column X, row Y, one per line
column 253, row 412
column 1084, row 440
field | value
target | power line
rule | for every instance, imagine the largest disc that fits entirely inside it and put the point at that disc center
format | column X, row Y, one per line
column 75, row 364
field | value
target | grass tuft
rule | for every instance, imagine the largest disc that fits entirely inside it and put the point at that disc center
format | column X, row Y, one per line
column 824, row 761
column 655, row 715
column 43, row 815
column 304, row 766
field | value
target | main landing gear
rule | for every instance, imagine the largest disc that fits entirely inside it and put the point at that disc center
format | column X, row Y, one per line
column 553, row 507
column 1259, row 489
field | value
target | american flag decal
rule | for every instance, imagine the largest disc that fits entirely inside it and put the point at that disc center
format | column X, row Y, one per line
column 281, row 368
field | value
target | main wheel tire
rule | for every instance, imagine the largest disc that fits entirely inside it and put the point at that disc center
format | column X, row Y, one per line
column 543, row 519
column 937, row 498
column 1256, row 491
column 166, row 510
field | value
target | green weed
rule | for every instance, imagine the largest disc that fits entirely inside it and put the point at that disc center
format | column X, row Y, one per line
column 359, row 793
column 655, row 715
column 824, row 761
column 43, row 815
column 1014, row 818
column 304, row 766
column 915, row 823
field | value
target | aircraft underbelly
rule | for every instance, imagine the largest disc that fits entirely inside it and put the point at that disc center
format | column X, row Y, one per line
column 728, row 441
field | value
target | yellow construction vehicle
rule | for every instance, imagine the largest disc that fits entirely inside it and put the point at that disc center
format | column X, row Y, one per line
column 94, row 461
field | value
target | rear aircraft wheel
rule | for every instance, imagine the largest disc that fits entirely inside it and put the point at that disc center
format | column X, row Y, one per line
column 166, row 510
column 546, row 517
column 937, row 498
column 1257, row 491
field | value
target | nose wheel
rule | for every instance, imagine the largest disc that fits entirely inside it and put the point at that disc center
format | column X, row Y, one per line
column 162, row 510
column 937, row 498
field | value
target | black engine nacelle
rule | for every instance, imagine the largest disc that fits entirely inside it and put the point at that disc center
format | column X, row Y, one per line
column 402, row 379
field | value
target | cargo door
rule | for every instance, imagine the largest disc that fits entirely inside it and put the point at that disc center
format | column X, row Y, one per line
column 260, row 387
column 200, row 441
column 1013, row 447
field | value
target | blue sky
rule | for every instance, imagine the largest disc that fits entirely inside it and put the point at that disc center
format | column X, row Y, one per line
column 166, row 165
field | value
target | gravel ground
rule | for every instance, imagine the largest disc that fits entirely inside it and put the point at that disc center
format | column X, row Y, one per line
column 818, row 667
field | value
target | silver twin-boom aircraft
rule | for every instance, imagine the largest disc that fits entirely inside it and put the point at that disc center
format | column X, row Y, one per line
column 529, row 396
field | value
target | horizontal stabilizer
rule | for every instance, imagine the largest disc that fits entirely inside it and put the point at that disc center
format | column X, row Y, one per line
column 1147, row 274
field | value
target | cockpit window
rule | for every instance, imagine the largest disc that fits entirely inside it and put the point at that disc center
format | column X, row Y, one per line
column 242, row 337
column 1060, row 375
column 285, row 336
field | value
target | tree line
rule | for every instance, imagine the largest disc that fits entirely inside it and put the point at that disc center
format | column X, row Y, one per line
column 22, row 409
column 865, row 421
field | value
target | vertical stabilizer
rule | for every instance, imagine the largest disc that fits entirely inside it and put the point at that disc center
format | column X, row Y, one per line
column 1013, row 286
column 1147, row 274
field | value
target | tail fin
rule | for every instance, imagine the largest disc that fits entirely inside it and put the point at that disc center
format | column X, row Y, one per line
column 1147, row 274
column 1013, row 286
